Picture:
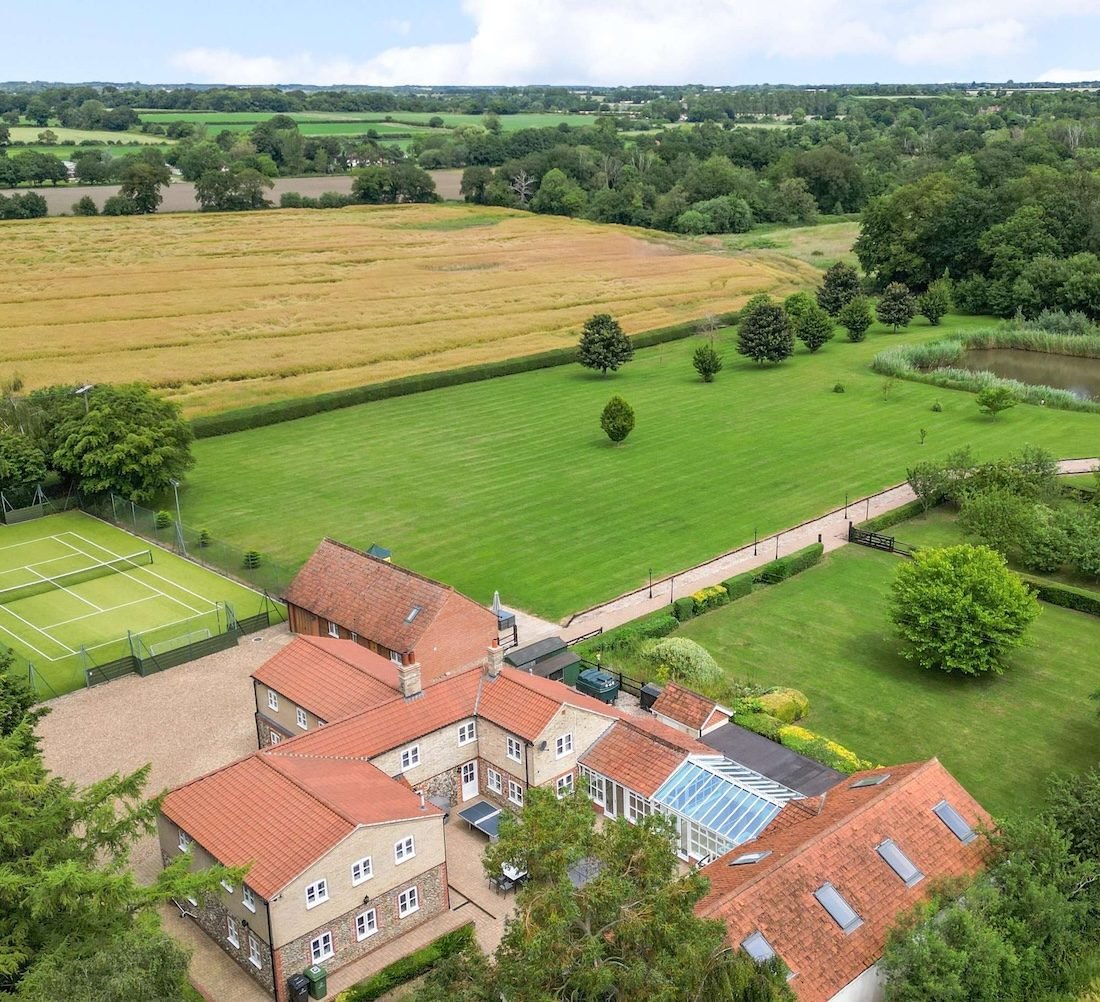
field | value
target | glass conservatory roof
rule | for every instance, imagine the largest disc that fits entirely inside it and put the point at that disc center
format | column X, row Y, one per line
column 724, row 797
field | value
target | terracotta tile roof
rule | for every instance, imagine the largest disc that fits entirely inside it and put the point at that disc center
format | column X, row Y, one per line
column 638, row 760
column 331, row 678
column 229, row 812
column 689, row 708
column 833, row 838
column 376, row 599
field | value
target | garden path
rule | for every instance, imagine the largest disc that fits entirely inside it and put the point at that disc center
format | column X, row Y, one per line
column 830, row 529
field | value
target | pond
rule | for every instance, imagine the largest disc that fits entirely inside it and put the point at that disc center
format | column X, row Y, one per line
column 1081, row 376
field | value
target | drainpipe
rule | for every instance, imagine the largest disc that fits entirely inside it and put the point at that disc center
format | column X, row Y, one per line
column 275, row 973
column 527, row 764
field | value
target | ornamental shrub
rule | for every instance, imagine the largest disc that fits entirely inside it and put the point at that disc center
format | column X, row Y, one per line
column 684, row 609
column 759, row 723
column 709, row 598
column 738, row 586
column 163, row 519
column 822, row 750
column 617, row 419
column 787, row 705
column 681, row 660
column 252, row 560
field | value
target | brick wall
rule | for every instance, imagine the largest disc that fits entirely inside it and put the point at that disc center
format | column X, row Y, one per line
column 431, row 888
column 264, row 727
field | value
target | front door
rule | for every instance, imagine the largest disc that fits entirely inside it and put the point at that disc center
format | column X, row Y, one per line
column 469, row 781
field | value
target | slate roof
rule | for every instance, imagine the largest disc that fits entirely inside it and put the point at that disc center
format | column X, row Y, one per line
column 771, row 759
column 376, row 599
column 685, row 706
column 833, row 839
column 234, row 812
column 331, row 678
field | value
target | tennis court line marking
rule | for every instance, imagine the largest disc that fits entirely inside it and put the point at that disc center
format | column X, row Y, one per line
column 26, row 643
column 145, row 584
column 81, row 598
column 39, row 630
column 107, row 643
column 26, row 542
column 89, row 615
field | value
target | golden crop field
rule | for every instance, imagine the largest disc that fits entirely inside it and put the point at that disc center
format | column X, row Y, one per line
column 224, row 310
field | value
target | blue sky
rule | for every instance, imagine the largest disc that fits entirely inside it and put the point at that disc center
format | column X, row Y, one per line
column 556, row 41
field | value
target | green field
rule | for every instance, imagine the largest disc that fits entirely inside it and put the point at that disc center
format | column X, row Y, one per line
column 510, row 484
column 310, row 122
column 83, row 619
column 827, row 632
column 28, row 134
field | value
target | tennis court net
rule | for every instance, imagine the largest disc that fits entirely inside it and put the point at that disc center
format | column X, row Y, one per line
column 116, row 566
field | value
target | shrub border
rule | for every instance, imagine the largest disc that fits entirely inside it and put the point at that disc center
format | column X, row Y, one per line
column 412, row 965
column 277, row 411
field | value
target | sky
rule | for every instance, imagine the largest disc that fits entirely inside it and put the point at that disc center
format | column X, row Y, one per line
column 594, row 42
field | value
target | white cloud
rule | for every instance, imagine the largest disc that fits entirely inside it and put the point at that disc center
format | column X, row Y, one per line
column 1061, row 75
column 654, row 41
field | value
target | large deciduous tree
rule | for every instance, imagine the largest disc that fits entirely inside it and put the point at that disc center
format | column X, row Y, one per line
column 141, row 184
column 960, row 609
column 129, row 442
column 603, row 345
column 764, row 333
column 855, row 317
column 814, row 328
column 629, row 934
column 896, row 307
column 840, row 286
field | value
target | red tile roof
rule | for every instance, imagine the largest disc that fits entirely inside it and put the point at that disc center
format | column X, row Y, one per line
column 282, row 817
column 689, row 708
column 638, row 760
column 331, row 678
column 375, row 599
column 833, row 839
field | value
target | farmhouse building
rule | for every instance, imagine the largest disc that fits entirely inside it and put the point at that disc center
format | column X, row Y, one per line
column 343, row 593
column 824, row 882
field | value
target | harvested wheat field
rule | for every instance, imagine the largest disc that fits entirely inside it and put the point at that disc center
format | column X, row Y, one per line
column 224, row 310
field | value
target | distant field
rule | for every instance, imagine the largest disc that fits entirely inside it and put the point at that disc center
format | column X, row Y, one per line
column 224, row 310
column 29, row 134
column 820, row 245
column 375, row 120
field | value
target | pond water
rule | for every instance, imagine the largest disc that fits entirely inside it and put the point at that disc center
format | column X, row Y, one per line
column 1081, row 376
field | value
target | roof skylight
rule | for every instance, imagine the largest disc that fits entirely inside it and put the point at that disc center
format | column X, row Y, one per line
column 757, row 947
column 901, row 864
column 413, row 613
column 842, row 913
column 955, row 821
column 870, row 781
column 750, row 857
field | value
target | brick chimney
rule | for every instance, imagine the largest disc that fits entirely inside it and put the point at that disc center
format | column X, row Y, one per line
column 408, row 677
column 495, row 660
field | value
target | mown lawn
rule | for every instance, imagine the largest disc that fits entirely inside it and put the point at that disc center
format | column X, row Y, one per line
column 827, row 632
column 510, row 484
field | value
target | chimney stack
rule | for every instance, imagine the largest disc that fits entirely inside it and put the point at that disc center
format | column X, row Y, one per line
column 408, row 677
column 495, row 660
column 420, row 793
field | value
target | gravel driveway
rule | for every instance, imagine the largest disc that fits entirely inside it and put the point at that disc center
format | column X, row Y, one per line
column 185, row 721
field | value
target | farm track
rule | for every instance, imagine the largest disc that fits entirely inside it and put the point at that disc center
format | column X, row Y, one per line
column 225, row 310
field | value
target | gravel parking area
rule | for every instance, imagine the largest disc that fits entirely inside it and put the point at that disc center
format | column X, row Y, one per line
column 185, row 721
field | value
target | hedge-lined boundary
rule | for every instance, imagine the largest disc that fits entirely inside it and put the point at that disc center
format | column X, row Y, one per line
column 1066, row 597
column 412, row 966
column 935, row 362
column 904, row 512
column 790, row 565
column 277, row 411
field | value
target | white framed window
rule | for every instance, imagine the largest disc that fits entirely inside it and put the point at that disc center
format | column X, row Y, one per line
column 410, row 757
column 248, row 898
column 405, row 849
column 254, row 951
column 232, row 933
column 272, row 699
column 354, row 637
column 467, row 732
column 361, row 869
column 493, row 779
column 408, row 902
column 564, row 745
column 276, row 737
column 595, row 785
column 515, row 749
column 303, row 723
column 184, row 841
column 636, row 807
column 565, row 785
column 316, row 893
column 395, row 657
column 515, row 793
column 334, row 630
column 321, row 947
column 366, row 924
column 228, row 886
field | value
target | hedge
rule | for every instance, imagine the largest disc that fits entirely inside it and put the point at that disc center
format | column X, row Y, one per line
column 1067, row 598
column 278, row 411
column 759, row 723
column 790, row 565
column 709, row 598
column 684, row 609
column 911, row 509
column 787, row 705
column 412, row 966
column 822, row 750
column 630, row 635
column 738, row 586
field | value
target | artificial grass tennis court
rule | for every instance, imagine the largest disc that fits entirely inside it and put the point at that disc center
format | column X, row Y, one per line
column 827, row 632
column 72, row 590
column 510, row 484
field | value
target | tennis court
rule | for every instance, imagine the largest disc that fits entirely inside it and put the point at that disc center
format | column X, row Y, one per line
column 76, row 592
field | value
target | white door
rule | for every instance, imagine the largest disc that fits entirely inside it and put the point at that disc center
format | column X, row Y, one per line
column 469, row 781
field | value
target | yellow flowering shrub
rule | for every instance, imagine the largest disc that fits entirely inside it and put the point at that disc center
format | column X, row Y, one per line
column 822, row 750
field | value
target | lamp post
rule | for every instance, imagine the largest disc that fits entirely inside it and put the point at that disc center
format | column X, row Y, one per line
column 651, row 582
column 845, row 504
column 179, row 521
column 83, row 391
column 755, row 540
